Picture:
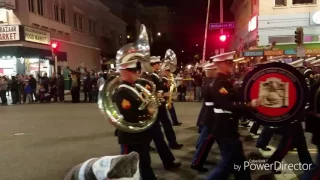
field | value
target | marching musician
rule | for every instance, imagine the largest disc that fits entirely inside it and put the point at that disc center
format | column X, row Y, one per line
column 205, row 140
column 128, row 102
column 312, row 126
column 166, row 80
column 225, row 127
column 162, row 113
column 166, row 156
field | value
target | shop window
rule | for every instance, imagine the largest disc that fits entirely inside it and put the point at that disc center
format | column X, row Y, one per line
column 280, row 3
column 303, row 1
column 40, row 7
column 56, row 12
column 92, row 27
column 63, row 15
column 31, row 5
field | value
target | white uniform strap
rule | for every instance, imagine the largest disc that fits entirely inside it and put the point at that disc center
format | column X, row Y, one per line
column 221, row 111
column 209, row 103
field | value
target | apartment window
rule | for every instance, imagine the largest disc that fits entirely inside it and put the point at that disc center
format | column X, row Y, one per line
column 303, row 1
column 40, row 7
column 31, row 5
column 120, row 40
column 56, row 12
column 92, row 27
column 77, row 21
column 280, row 2
column 63, row 15
column 80, row 22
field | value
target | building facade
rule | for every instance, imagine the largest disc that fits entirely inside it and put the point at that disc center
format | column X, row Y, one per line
column 81, row 28
column 259, row 23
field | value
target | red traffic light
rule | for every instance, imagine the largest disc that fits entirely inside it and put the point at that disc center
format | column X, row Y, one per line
column 223, row 38
column 54, row 45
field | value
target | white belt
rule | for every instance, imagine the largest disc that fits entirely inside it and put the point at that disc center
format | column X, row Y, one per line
column 209, row 103
column 221, row 111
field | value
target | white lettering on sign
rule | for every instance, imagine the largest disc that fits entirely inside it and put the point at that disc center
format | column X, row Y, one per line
column 36, row 35
column 9, row 33
column 252, row 24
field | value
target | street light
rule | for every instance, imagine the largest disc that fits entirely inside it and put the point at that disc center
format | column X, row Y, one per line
column 197, row 45
column 182, row 51
column 159, row 34
column 128, row 36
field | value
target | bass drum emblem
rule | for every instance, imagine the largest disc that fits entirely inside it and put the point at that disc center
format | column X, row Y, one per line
column 282, row 89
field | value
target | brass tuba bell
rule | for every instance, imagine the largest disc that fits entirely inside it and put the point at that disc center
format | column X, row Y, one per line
column 106, row 102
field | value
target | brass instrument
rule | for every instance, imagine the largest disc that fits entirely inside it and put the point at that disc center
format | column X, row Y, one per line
column 170, row 62
column 106, row 102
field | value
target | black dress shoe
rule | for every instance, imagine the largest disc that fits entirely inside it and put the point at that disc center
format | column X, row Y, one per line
column 172, row 166
column 177, row 124
column 264, row 148
column 176, row 146
column 198, row 168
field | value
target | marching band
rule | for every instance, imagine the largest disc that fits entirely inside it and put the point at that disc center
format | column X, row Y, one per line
column 139, row 100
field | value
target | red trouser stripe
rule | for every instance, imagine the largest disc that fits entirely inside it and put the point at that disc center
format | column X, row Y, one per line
column 125, row 149
column 203, row 148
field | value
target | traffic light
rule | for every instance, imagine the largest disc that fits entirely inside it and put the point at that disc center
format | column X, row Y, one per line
column 299, row 35
column 223, row 38
column 54, row 48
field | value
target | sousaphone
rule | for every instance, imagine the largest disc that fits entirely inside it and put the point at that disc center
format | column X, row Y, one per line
column 106, row 101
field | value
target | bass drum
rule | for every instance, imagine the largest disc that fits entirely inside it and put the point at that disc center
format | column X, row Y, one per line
column 282, row 89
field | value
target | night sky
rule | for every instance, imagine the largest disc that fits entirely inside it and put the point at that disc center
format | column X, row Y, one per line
column 189, row 22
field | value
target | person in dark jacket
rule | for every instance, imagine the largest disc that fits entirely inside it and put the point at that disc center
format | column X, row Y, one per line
column 53, row 88
column 33, row 85
column 14, row 88
column 87, row 88
column 182, row 91
column 45, row 81
column 60, row 87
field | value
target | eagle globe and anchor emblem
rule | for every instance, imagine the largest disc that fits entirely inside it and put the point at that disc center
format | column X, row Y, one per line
column 282, row 89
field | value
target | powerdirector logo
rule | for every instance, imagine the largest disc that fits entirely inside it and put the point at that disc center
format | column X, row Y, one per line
column 263, row 165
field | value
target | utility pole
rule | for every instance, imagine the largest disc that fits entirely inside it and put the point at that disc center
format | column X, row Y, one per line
column 206, row 33
column 221, row 21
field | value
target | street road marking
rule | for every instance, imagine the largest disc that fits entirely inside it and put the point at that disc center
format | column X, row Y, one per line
column 19, row 134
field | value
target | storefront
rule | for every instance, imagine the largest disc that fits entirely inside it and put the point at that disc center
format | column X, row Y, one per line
column 25, row 60
column 20, row 59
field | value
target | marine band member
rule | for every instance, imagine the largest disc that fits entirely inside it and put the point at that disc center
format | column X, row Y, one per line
column 225, row 127
column 127, row 99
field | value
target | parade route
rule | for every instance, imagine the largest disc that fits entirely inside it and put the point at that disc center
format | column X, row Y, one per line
column 44, row 141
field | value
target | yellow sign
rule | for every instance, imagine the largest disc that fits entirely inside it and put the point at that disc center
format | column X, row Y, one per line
column 36, row 35
column 312, row 51
column 273, row 52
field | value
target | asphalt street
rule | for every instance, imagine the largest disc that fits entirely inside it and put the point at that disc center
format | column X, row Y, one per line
column 44, row 141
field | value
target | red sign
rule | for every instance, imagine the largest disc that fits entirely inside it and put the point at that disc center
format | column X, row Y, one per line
column 278, row 94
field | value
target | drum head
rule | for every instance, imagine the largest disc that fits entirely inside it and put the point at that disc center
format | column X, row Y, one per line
column 282, row 89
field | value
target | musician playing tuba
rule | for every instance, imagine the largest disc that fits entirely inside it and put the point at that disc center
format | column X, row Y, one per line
column 130, row 107
column 168, row 67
